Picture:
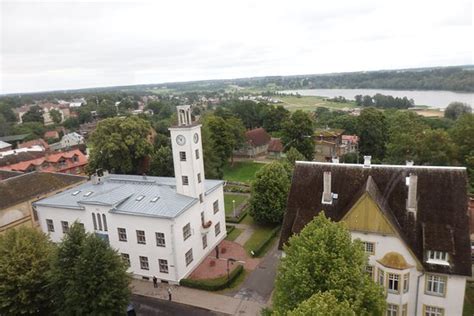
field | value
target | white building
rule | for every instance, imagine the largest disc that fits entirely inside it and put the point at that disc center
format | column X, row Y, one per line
column 412, row 221
column 163, row 227
column 71, row 139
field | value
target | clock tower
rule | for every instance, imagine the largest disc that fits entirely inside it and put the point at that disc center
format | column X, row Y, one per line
column 187, row 154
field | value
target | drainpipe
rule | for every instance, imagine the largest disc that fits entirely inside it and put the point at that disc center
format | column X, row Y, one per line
column 417, row 291
column 174, row 253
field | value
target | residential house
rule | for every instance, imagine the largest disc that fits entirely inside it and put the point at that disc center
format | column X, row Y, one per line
column 87, row 128
column 75, row 103
column 71, row 139
column 34, row 148
column 17, row 193
column 35, row 142
column 327, row 143
column 45, row 108
column 162, row 227
column 275, row 148
column 412, row 221
column 51, row 135
column 256, row 143
column 4, row 146
column 14, row 139
column 72, row 162
column 349, row 144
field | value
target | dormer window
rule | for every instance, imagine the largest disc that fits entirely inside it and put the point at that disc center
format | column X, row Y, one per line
column 437, row 257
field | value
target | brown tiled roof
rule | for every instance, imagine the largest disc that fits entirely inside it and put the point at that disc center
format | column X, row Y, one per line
column 257, row 137
column 275, row 145
column 19, row 157
column 39, row 142
column 5, row 174
column 30, row 185
column 441, row 222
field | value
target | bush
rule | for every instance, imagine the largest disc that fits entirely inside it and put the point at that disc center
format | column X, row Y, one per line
column 236, row 220
column 262, row 246
column 229, row 228
column 216, row 284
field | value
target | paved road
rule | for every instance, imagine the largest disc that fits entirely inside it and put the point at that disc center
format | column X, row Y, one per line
column 258, row 286
column 152, row 306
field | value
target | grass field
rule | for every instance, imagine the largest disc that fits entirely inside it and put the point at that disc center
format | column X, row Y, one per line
column 229, row 208
column 260, row 234
column 234, row 234
column 469, row 300
column 242, row 171
column 310, row 103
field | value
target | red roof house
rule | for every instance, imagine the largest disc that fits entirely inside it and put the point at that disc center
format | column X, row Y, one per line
column 256, row 144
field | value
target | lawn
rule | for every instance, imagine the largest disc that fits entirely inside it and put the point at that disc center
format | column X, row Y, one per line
column 228, row 198
column 469, row 300
column 310, row 103
column 242, row 171
column 260, row 234
column 234, row 234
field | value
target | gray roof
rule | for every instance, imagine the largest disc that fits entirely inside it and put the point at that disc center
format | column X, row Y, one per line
column 122, row 193
column 4, row 144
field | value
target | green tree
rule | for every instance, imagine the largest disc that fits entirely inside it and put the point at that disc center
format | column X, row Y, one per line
column 456, row 109
column 435, row 147
column 323, row 258
column 293, row 155
column 88, row 276
column 274, row 118
column 120, row 144
column 106, row 109
column 462, row 134
column 35, row 114
column 71, row 123
column 162, row 162
column 237, row 129
column 7, row 112
column 372, row 131
column 213, row 166
column 25, row 255
column 223, row 138
column 269, row 194
column 322, row 304
column 55, row 116
column 297, row 132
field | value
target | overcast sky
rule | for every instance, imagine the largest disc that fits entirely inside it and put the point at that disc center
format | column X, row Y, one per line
column 75, row 44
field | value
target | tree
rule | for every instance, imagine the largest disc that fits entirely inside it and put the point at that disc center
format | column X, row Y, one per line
column 35, row 114
column 435, row 148
column 367, row 100
column 456, row 109
column 298, row 132
column 237, row 129
column 274, row 118
column 120, row 144
column 293, row 155
column 71, row 123
column 323, row 258
column 322, row 304
column 223, row 138
column 162, row 162
column 269, row 194
column 213, row 167
column 88, row 276
column 106, row 109
column 372, row 131
column 462, row 134
column 7, row 112
column 55, row 116
column 25, row 255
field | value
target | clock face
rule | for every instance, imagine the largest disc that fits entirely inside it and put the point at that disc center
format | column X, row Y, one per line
column 181, row 140
column 196, row 138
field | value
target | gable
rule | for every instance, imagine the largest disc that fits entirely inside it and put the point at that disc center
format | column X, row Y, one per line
column 366, row 216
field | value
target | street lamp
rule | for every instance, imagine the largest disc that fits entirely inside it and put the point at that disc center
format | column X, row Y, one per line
column 233, row 203
column 228, row 270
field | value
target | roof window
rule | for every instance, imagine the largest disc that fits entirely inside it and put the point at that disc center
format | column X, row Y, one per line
column 140, row 197
column 437, row 257
column 88, row 193
column 156, row 198
column 75, row 193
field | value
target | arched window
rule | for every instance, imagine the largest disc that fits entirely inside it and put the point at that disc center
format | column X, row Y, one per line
column 100, row 221
column 94, row 221
column 105, row 222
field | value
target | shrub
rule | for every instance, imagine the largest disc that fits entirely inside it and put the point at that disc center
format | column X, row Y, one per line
column 213, row 284
column 262, row 246
column 236, row 220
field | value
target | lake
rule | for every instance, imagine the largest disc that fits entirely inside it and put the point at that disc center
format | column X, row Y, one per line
column 436, row 99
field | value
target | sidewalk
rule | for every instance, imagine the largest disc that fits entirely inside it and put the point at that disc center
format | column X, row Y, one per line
column 203, row 299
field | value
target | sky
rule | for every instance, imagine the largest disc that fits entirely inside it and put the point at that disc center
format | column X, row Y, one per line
column 55, row 45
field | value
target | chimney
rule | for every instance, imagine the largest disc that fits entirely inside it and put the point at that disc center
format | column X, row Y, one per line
column 409, row 162
column 327, row 195
column 412, row 188
column 335, row 160
column 367, row 161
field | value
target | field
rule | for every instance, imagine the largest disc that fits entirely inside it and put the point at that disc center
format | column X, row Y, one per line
column 260, row 234
column 229, row 208
column 241, row 171
column 310, row 103
column 234, row 234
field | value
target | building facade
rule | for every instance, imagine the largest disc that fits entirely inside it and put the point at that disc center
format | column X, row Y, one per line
column 163, row 227
column 412, row 221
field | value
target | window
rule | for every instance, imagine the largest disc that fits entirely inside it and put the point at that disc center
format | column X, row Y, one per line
column 189, row 256
column 393, row 281
column 156, row 198
column 141, row 237
column 381, row 277
column 185, row 180
column 217, row 228
column 199, row 178
column 204, row 241
column 144, row 263
column 404, row 310
column 370, row 271
column 160, row 240
column 87, row 193
column 187, row 231
column 215, row 206
column 126, row 259
column 392, row 310
column 65, row 226
column 75, row 193
column 163, row 265
column 105, row 222
column 94, row 221
column 406, row 282
column 182, row 156
column 122, row 234
column 369, row 247
column 433, row 311
column 49, row 223
column 200, row 198
column 435, row 285
column 437, row 257
column 140, row 197
column 99, row 221
column 197, row 153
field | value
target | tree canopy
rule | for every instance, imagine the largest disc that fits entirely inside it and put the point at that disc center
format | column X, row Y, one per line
column 372, row 131
column 323, row 304
column 298, row 132
column 456, row 109
column 323, row 258
column 34, row 114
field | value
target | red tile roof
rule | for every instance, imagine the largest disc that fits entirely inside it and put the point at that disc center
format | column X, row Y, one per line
column 51, row 134
column 275, row 145
column 257, row 137
column 39, row 142
column 351, row 138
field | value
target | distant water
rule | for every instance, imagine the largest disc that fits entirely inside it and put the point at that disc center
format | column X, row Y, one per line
column 436, row 99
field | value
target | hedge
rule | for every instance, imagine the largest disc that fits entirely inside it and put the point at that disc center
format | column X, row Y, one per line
column 236, row 220
column 260, row 249
column 216, row 284
column 229, row 228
